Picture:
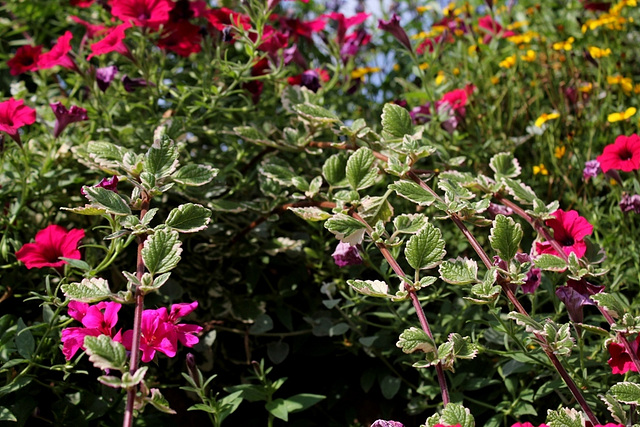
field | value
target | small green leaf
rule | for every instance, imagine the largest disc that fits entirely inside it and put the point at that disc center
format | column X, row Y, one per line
column 425, row 249
column 396, row 121
column 505, row 237
column 261, row 324
column 108, row 200
column 302, row 401
column 375, row 208
column 161, row 160
column 455, row 413
column 315, row 113
column 189, row 218
column 626, row 392
column 158, row 401
column 564, row 417
column 414, row 339
column 611, row 302
column 7, row 415
column 86, row 210
column 413, row 192
column 526, row 321
column 311, row 213
column 161, row 251
column 283, row 175
column 521, row 192
column 278, row 408
column 360, row 171
column 389, row 386
column 334, row 170
column 409, row 223
column 615, row 408
column 106, row 154
column 25, row 343
column 346, row 228
column 88, row 290
column 373, row 288
column 505, row 165
column 194, row 175
column 460, row 271
column 550, row 263
column 105, row 353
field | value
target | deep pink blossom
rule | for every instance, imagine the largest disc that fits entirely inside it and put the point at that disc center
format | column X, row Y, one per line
column 13, row 115
column 392, row 26
column 112, row 42
column 25, row 59
column 105, row 75
column 345, row 255
column 620, row 361
column 65, row 116
column 310, row 79
column 59, row 54
column 50, row 244
column 630, row 203
column 93, row 30
column 142, row 13
column 295, row 27
column 222, row 17
column 527, row 424
column 99, row 319
column 81, row 3
column 182, row 38
column 623, row 154
column 110, row 184
column 569, row 230
column 492, row 29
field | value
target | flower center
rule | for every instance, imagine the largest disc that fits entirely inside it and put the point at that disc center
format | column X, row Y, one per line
column 625, row 155
column 567, row 241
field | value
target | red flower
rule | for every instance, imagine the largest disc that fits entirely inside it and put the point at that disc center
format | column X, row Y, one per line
column 620, row 360
column 51, row 243
column 98, row 319
column 81, row 3
column 58, row 55
column 345, row 23
column 295, row 27
column 527, row 424
column 223, row 17
column 569, row 229
column 492, row 28
column 25, row 59
column 65, row 117
column 623, row 154
column 457, row 98
column 392, row 26
column 13, row 115
column 182, row 38
column 143, row 13
column 113, row 42
column 92, row 29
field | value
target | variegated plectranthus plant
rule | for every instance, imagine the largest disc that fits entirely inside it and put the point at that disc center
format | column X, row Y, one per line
column 391, row 191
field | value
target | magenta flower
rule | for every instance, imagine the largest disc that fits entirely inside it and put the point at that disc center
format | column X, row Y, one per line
column 569, row 229
column 130, row 85
column 93, row 30
column 630, row 203
column 385, row 423
column 110, row 184
column 13, row 115
column 142, row 13
column 183, row 332
column 495, row 209
column 25, row 59
column 392, row 26
column 620, row 361
column 182, row 38
column 59, row 54
column 623, row 154
column 591, row 169
column 112, row 42
column 527, row 424
column 105, row 75
column 51, row 243
column 99, row 319
column 65, row 117
column 345, row 255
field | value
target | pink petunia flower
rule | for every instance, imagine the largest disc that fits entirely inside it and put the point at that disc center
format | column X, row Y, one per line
column 620, row 361
column 569, row 229
column 98, row 319
column 142, row 13
column 183, row 332
column 223, row 17
column 310, row 79
column 623, row 154
column 182, row 38
column 527, row 424
column 13, row 115
column 112, row 42
column 25, row 59
column 93, row 30
column 51, row 243
column 492, row 29
column 59, row 54
column 65, row 117
column 110, row 184
column 345, row 255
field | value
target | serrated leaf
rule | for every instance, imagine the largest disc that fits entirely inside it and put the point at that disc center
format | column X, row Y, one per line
column 463, row 348
column 558, row 338
column 334, row 170
column 195, row 175
column 455, row 413
column 106, row 154
column 374, row 209
column 505, row 165
column 158, row 401
column 460, row 271
column 413, row 192
column 161, row 160
column 626, row 392
column 108, row 200
column 609, row 301
column 281, row 174
column 315, row 113
column 414, row 339
column 425, row 249
column 86, row 210
column 105, row 353
column 615, row 408
column 360, row 171
column 189, row 218
column 564, row 417
column 526, row 321
column 396, row 121
column 373, row 288
column 346, row 228
column 409, row 223
column 550, row 263
column 161, row 251
column 88, row 290
column 521, row 192
column 505, row 237
column 311, row 213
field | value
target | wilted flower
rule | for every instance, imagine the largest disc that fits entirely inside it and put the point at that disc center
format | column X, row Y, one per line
column 105, row 75
column 50, row 244
column 393, row 27
column 495, row 209
column 130, row 85
column 384, row 423
column 110, row 184
column 345, row 255
column 630, row 203
column 65, row 117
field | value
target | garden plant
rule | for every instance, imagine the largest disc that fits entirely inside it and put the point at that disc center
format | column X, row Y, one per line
column 319, row 213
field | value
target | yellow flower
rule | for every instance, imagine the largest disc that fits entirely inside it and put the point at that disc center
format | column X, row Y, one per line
column 524, row 38
column 636, row 89
column 597, row 53
column 545, row 118
column 566, row 45
column 360, row 72
column 396, row 67
column 616, row 117
column 612, row 181
column 508, row 62
column 586, row 88
column 440, row 78
column 517, row 24
column 471, row 50
column 540, row 169
column 423, row 9
column 456, row 71
column 530, row 56
column 625, row 82
column 558, row 153
column 495, row 80
column 423, row 66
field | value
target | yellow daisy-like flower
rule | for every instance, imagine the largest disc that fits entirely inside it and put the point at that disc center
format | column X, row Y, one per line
column 517, row 24
column 530, row 56
column 558, row 153
column 360, row 72
column 396, row 67
column 540, row 169
column 565, row 45
column 508, row 62
column 545, row 118
column 616, row 117
column 586, row 88
column 440, row 78
column 524, row 38
column 471, row 50
column 598, row 53
column 625, row 82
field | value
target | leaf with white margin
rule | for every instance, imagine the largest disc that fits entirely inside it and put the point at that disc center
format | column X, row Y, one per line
column 88, row 290
column 373, row 288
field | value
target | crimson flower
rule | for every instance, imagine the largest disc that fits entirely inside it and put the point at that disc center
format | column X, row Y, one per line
column 182, row 38
column 81, row 3
column 93, row 30
column 99, row 319
column 130, row 85
column 569, row 229
column 110, row 184
column 59, row 54
column 112, row 42
column 392, row 26
column 620, row 360
column 51, row 243
column 527, row 424
column 143, row 13
column 492, row 28
column 25, row 59
column 310, row 79
column 65, row 117
column 13, row 115
column 623, row 154
column 222, row 17
column 298, row 28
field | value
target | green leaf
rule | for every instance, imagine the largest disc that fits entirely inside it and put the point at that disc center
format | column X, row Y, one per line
column 396, row 121
column 261, row 324
column 409, row 223
column 229, row 404
column 346, row 228
column 615, row 408
column 375, row 208
column 414, row 339
column 25, row 343
column 195, row 175
column 158, row 401
column 521, row 192
column 373, row 288
column 413, row 192
column 106, row 154
column 463, row 348
column 389, row 386
column 281, row 174
column 315, row 113
column 564, row 417
column 425, row 249
column 455, row 413
column 278, row 408
column 311, row 213
column 108, row 200
column 161, row 251
column 7, row 415
column 189, row 218
column 460, row 271
column 626, row 392
column 550, row 262
column 360, row 171
column 559, row 338
column 611, row 302
column 105, row 353
column 505, row 165
column 526, row 321
column 505, row 237
column 334, row 170
column 161, row 159
column 88, row 290
column 86, row 210
column 302, row 401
